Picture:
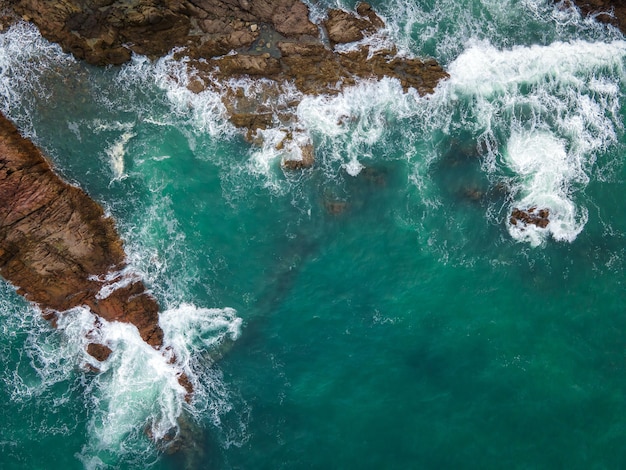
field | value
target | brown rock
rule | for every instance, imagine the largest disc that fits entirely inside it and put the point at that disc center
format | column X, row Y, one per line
column 245, row 64
column 224, row 39
column 530, row 216
column 106, row 32
column 291, row 18
column 365, row 10
column 99, row 351
column 57, row 246
column 344, row 27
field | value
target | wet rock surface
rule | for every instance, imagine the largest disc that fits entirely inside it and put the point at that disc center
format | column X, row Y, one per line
column 532, row 216
column 59, row 249
column 606, row 11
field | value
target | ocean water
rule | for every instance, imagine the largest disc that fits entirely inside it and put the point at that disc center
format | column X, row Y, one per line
column 374, row 312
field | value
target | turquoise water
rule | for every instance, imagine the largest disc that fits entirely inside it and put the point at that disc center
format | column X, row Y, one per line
column 376, row 311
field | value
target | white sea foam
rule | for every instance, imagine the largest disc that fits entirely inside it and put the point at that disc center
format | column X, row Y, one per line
column 545, row 172
column 348, row 125
column 204, row 110
column 116, row 153
column 26, row 59
column 543, row 113
column 137, row 392
column 442, row 28
column 114, row 281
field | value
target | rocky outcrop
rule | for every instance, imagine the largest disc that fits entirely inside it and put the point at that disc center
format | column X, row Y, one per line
column 606, row 11
column 531, row 216
column 60, row 250
column 223, row 39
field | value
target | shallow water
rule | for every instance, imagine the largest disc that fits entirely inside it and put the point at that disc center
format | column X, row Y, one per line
column 376, row 311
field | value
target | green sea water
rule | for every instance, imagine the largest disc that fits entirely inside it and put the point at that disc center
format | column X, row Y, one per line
column 374, row 312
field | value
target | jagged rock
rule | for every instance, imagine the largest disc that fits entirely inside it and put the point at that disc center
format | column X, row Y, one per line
column 365, row 10
column 292, row 19
column 531, row 216
column 344, row 27
column 100, row 352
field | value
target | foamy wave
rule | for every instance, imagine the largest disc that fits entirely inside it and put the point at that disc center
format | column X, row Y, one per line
column 198, row 336
column 137, row 393
column 136, row 397
column 543, row 113
column 442, row 28
column 348, row 125
column 546, row 172
column 203, row 110
column 26, row 58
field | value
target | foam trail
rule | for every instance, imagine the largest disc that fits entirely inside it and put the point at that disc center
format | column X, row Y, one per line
column 116, row 153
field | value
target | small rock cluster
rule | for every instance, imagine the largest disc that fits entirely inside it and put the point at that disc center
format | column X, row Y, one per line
column 531, row 216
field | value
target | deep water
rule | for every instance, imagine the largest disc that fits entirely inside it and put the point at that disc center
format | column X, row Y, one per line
column 376, row 311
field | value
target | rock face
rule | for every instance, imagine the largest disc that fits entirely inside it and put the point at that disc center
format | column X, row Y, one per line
column 607, row 11
column 106, row 31
column 59, row 249
column 224, row 39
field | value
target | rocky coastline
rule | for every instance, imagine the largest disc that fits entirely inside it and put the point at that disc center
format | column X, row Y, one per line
column 225, row 39
column 57, row 246
column 61, row 251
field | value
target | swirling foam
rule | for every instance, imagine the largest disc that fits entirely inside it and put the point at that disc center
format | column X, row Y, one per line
column 543, row 113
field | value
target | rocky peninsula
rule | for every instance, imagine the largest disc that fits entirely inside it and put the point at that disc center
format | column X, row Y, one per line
column 225, row 39
column 61, row 251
